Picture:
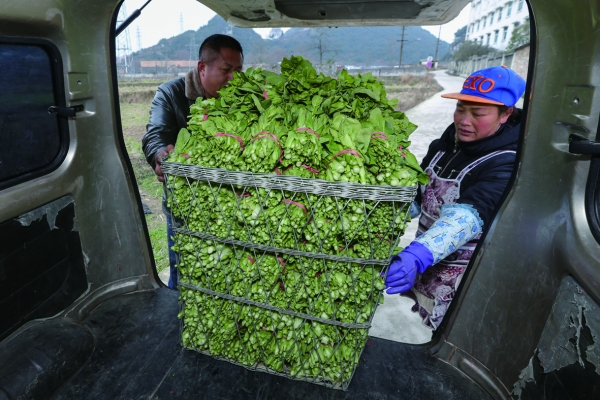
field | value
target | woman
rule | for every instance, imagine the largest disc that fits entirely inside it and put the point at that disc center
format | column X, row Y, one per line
column 469, row 167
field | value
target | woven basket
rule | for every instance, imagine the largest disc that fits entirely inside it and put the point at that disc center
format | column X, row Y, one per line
column 282, row 274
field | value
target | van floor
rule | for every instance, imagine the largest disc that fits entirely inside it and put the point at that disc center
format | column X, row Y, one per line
column 137, row 354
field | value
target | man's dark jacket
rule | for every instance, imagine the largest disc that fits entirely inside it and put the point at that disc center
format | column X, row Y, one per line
column 484, row 185
column 169, row 113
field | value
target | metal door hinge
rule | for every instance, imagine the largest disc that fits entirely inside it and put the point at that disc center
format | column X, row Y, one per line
column 65, row 111
column 581, row 145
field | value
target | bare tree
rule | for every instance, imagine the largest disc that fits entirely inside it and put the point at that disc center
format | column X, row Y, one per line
column 321, row 42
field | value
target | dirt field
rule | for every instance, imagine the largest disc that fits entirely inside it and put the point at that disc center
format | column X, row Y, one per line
column 135, row 101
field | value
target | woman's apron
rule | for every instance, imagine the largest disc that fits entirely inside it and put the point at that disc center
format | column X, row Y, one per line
column 435, row 288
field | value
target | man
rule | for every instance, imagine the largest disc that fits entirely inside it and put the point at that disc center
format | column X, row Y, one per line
column 220, row 56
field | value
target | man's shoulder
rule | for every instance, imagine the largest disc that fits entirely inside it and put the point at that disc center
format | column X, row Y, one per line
column 174, row 85
column 172, row 91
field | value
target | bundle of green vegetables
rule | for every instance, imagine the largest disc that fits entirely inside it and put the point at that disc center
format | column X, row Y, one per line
column 284, row 219
column 251, row 335
column 286, row 343
column 303, row 124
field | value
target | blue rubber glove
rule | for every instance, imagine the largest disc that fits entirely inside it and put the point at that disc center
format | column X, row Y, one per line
column 402, row 273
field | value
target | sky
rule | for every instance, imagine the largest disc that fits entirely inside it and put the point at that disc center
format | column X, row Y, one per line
column 166, row 18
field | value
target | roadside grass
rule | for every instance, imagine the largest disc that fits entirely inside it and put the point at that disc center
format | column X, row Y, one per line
column 135, row 101
column 410, row 90
column 134, row 117
column 157, row 229
column 134, row 114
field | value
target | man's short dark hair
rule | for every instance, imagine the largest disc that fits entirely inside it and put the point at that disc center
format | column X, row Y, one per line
column 212, row 45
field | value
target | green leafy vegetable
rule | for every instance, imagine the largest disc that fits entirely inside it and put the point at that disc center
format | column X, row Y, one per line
column 296, row 123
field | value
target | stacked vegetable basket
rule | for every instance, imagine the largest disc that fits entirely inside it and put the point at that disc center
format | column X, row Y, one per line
column 290, row 193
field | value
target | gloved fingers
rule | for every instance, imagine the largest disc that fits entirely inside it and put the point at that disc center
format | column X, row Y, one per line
column 399, row 275
column 394, row 267
column 395, row 275
column 400, row 282
column 400, row 289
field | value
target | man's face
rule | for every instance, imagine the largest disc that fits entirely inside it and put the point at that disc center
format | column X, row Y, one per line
column 475, row 121
column 215, row 75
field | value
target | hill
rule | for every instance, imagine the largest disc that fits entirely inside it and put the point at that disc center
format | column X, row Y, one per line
column 360, row 46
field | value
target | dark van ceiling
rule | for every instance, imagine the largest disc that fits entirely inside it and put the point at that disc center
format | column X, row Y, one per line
column 290, row 13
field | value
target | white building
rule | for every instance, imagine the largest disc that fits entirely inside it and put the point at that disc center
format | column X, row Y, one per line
column 491, row 22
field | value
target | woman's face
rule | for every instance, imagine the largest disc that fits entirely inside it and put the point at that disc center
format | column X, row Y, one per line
column 475, row 121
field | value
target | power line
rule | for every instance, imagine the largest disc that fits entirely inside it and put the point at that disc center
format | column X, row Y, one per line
column 123, row 45
column 192, row 46
column 437, row 45
column 139, row 38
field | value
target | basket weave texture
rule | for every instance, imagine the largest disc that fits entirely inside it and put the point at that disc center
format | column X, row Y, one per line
column 282, row 274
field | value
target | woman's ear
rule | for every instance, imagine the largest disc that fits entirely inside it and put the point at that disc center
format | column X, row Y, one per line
column 504, row 116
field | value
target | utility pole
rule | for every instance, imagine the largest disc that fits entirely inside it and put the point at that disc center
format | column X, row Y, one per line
column 193, row 49
column 401, row 48
column 139, row 38
column 437, row 45
column 123, row 46
column 320, row 46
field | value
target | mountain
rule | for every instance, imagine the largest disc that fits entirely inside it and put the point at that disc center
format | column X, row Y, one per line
column 358, row 46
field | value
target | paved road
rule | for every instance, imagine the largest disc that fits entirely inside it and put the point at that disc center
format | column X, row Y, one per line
column 393, row 320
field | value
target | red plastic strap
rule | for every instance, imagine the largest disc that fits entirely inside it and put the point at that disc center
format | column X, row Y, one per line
column 251, row 259
column 401, row 152
column 239, row 139
column 381, row 237
column 311, row 169
column 271, row 136
column 347, row 151
column 308, row 130
column 245, row 194
column 379, row 135
column 288, row 201
column 278, row 172
column 266, row 134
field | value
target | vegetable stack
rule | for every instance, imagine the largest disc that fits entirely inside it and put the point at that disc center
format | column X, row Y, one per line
column 291, row 192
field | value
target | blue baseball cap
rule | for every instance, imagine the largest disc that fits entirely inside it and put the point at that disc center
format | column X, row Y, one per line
column 495, row 85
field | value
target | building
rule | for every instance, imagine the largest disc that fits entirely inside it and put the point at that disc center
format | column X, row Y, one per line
column 491, row 22
column 166, row 66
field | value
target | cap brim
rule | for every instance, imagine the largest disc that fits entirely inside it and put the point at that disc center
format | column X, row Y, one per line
column 474, row 99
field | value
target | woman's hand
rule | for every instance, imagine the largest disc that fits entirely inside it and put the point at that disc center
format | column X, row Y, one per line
column 402, row 273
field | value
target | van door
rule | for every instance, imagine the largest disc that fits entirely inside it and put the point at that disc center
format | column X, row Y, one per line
column 530, row 306
column 42, row 268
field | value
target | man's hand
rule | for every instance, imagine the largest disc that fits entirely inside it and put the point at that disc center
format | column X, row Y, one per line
column 158, row 158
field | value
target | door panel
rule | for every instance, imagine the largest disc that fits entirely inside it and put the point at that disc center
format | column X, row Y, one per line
column 42, row 269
